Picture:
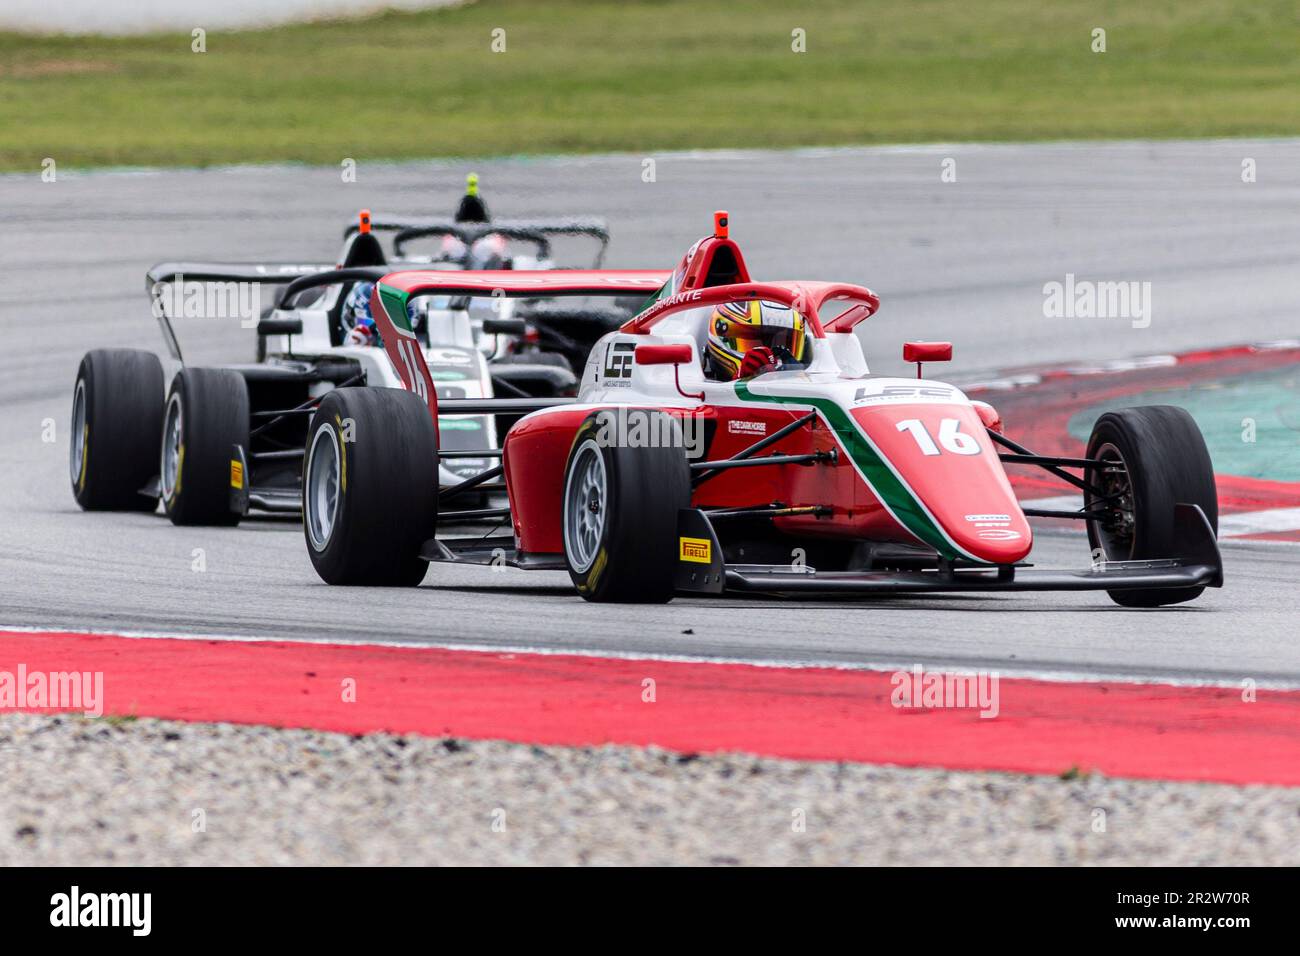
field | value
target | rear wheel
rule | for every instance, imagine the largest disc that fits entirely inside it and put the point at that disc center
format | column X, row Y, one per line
column 205, row 417
column 620, row 511
column 1155, row 457
column 116, row 416
column 370, row 487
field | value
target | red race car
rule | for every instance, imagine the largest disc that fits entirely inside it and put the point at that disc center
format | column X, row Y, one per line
column 730, row 437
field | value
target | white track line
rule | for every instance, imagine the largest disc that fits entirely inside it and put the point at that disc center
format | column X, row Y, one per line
column 1051, row 676
column 1059, row 503
column 1259, row 522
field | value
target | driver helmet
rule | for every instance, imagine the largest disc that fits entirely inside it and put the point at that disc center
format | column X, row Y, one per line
column 358, row 324
column 775, row 334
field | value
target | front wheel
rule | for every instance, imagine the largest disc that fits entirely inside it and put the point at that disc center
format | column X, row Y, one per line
column 620, row 508
column 1154, row 457
column 370, row 487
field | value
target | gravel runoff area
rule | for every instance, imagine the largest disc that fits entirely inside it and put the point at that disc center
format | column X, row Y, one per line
column 75, row 791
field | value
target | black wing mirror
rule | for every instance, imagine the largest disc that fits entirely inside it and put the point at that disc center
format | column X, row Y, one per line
column 279, row 326
column 504, row 326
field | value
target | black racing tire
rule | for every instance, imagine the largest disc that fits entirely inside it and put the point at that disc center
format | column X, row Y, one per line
column 1165, row 463
column 366, row 521
column 117, row 408
column 619, row 512
column 206, row 415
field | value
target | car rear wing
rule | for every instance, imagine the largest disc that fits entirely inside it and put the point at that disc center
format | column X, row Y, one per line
column 526, row 284
column 539, row 232
column 167, row 276
column 273, row 272
column 602, row 318
column 388, row 306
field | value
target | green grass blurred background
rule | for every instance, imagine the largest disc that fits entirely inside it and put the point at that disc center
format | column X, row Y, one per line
column 653, row 75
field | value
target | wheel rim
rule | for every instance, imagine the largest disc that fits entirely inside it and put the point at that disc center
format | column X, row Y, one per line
column 78, row 456
column 586, row 499
column 321, row 494
column 173, row 430
column 1116, row 531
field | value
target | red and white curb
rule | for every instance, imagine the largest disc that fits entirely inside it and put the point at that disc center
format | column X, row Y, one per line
column 1241, row 524
column 1016, row 379
column 1039, row 403
column 1157, row 731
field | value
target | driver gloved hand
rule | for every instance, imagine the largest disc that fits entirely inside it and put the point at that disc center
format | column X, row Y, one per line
column 758, row 359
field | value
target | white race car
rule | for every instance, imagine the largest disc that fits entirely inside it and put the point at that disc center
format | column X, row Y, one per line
column 219, row 442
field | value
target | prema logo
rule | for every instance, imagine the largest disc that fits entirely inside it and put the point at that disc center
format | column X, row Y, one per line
column 998, row 534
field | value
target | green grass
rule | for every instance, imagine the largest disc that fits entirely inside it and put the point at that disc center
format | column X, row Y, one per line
column 612, row 75
column 119, row 720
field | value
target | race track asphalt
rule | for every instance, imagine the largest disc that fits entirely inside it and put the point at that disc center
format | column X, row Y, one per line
column 963, row 260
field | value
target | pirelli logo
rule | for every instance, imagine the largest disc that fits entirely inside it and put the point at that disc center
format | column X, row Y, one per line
column 699, row 550
column 236, row 473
